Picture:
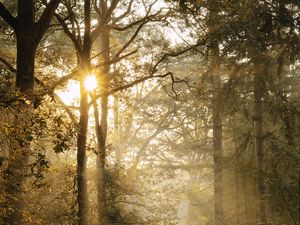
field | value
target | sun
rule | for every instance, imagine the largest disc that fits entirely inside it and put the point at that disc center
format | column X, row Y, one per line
column 90, row 82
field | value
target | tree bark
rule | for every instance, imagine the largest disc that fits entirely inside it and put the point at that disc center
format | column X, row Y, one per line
column 26, row 46
column 260, row 70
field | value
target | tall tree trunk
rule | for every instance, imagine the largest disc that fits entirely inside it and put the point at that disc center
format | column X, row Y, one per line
column 82, row 197
column 25, row 63
column 216, row 111
column 17, row 167
column 20, row 150
column 237, row 186
column 217, row 141
column 104, row 77
column 260, row 72
column 28, row 33
column 246, row 214
column 299, row 196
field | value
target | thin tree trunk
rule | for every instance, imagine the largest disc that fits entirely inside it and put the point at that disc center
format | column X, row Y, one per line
column 100, row 170
column 102, row 133
column 217, row 118
column 237, row 185
column 82, row 197
column 260, row 70
column 246, row 214
column 299, row 197
column 217, row 145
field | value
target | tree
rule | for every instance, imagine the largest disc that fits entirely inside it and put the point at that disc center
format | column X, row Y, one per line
column 214, row 70
column 28, row 34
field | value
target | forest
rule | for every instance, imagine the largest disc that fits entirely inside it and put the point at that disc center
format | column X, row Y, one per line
column 149, row 112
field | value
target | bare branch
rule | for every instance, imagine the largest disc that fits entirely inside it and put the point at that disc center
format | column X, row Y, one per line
column 76, row 42
column 123, row 15
column 63, row 80
column 118, row 28
column 154, row 70
column 97, row 8
column 95, row 33
column 194, row 48
column 142, row 22
column 74, row 21
column 160, row 128
column 102, row 52
column 110, row 10
column 6, row 15
column 65, row 107
column 175, row 54
column 58, row 99
column 138, row 81
column 44, row 21
column 117, row 59
column 125, row 46
column 8, row 65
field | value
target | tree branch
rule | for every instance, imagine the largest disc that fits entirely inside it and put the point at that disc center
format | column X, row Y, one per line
column 52, row 94
column 126, row 86
column 117, row 28
column 8, row 18
column 175, row 54
column 125, row 46
column 110, row 10
column 95, row 33
column 74, row 21
column 115, row 59
column 76, row 42
column 62, row 80
column 44, row 21
column 65, row 107
column 8, row 65
column 123, row 15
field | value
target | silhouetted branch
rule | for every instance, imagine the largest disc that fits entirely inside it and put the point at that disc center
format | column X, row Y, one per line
column 123, row 15
column 125, row 46
column 8, row 65
column 180, row 52
column 63, row 80
column 44, row 21
column 67, row 31
column 6, row 15
column 110, row 10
